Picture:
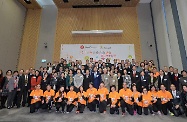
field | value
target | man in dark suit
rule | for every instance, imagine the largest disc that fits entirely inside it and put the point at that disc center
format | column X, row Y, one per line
column 144, row 81
column 184, row 98
column 96, row 76
column 108, row 64
column 163, row 79
column 87, row 80
column 176, row 101
column 135, row 78
column 20, row 88
column 25, row 79
column 146, row 70
column 175, row 77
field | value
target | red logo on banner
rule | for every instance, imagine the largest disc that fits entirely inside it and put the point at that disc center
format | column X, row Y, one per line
column 82, row 47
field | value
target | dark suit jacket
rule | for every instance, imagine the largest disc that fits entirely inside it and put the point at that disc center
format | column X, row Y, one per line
column 154, row 81
column 86, row 82
column 136, row 79
column 21, row 82
column 174, row 81
column 177, row 100
column 120, row 83
column 144, row 82
column 96, row 80
column 165, row 81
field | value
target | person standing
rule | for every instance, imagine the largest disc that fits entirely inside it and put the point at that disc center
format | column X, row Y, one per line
column 61, row 81
column 1, row 85
column 120, row 81
column 113, row 80
column 78, row 80
column 184, row 99
column 25, row 88
column 175, row 78
column 105, row 78
column 96, row 78
column 183, row 80
column 21, row 84
column 87, row 80
column 8, row 86
column 126, row 78
column 16, row 89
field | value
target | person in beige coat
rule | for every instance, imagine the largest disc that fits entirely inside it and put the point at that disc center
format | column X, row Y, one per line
column 113, row 80
column 105, row 78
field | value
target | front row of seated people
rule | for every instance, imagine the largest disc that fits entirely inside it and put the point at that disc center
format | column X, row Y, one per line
column 130, row 100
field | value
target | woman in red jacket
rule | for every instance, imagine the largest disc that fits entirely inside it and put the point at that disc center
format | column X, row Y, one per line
column 35, row 80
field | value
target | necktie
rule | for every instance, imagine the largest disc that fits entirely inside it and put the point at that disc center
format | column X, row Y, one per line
column 176, row 78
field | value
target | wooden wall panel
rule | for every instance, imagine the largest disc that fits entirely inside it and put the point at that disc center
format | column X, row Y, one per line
column 124, row 18
column 30, row 39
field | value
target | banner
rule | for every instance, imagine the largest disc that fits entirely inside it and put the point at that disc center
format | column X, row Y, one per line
column 97, row 52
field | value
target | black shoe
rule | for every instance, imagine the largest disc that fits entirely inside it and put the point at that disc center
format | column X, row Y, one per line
column 117, row 112
column 18, row 106
column 1, row 107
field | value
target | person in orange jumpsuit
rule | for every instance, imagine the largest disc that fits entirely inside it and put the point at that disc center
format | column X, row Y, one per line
column 37, row 96
column 165, row 98
column 71, row 99
column 60, row 99
column 147, row 102
column 126, row 99
column 137, row 98
column 91, row 93
column 48, row 98
column 114, row 100
column 82, row 96
column 154, row 95
column 102, row 96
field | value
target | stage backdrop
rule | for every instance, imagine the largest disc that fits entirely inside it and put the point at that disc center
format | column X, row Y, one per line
column 97, row 51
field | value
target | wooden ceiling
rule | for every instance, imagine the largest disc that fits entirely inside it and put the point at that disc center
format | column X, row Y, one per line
column 70, row 3
column 34, row 4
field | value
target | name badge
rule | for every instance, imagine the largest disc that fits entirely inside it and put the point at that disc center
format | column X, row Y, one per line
column 136, row 75
column 165, row 79
column 70, row 99
column 185, row 81
column 144, row 80
column 113, row 80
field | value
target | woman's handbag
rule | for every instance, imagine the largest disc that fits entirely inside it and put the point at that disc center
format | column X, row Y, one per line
column 4, row 92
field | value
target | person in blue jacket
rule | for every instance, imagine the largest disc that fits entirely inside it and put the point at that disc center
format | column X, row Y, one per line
column 96, row 78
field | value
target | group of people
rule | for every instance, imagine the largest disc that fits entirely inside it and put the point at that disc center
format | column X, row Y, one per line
column 134, row 87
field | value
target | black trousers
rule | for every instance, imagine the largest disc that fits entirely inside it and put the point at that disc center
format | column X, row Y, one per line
column 46, row 105
column 11, row 96
column 127, row 106
column 102, row 106
column 29, row 98
column 70, row 107
column 80, row 107
column 155, row 107
column 113, row 110
column 60, row 104
column 24, row 96
column 178, row 111
column 3, row 101
column 148, row 109
column 17, row 98
column 92, row 106
column 165, row 107
column 138, row 109
column 35, row 106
